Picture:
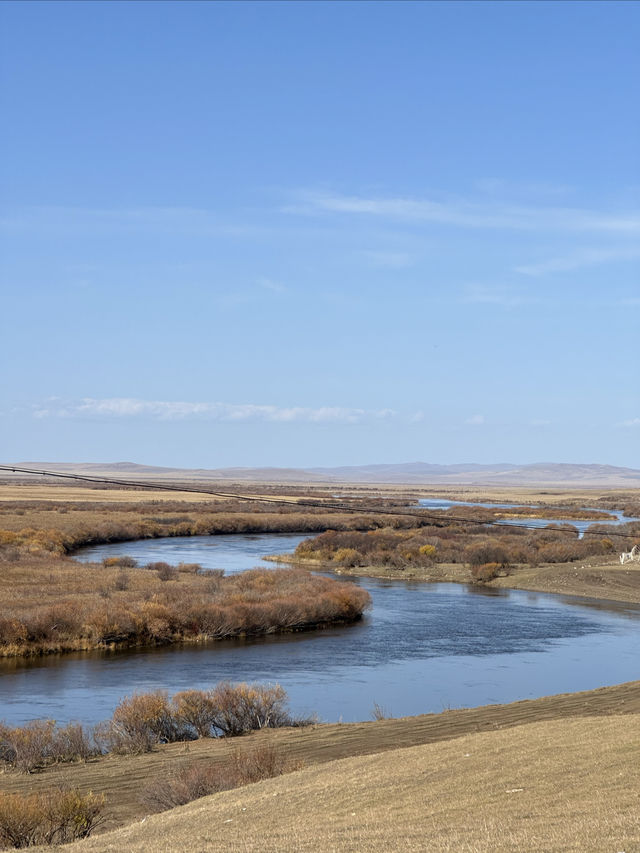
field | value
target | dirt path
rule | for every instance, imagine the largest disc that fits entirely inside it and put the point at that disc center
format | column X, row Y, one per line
column 122, row 778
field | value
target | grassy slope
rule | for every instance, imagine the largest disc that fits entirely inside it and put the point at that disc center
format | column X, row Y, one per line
column 563, row 785
column 122, row 778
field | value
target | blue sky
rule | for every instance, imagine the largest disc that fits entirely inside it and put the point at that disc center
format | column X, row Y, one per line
column 303, row 234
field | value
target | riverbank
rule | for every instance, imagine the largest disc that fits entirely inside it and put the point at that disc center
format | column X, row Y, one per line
column 121, row 778
column 599, row 580
column 52, row 604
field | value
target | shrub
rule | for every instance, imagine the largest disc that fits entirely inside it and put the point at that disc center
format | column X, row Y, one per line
column 122, row 581
column 427, row 550
column 242, row 767
column 347, row 557
column 481, row 553
column 165, row 571
column 190, row 568
column 138, row 723
column 243, row 708
column 28, row 747
column 196, row 710
column 123, row 562
column 40, row 743
column 486, row 572
column 55, row 817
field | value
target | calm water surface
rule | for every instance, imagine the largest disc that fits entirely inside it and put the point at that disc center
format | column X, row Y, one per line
column 580, row 524
column 422, row 648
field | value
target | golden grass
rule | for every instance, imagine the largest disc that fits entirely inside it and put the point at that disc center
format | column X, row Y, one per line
column 81, row 494
column 52, row 604
column 565, row 785
column 121, row 778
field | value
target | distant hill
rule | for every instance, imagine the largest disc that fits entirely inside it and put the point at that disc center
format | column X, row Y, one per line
column 411, row 473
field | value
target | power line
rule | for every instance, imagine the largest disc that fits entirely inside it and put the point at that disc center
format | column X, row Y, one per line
column 438, row 520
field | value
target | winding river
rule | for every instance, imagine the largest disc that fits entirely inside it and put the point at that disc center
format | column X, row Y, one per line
column 422, row 648
column 580, row 524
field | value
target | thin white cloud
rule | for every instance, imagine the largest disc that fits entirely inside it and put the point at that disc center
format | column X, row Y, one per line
column 495, row 186
column 494, row 294
column 475, row 420
column 270, row 284
column 391, row 260
column 164, row 410
column 471, row 214
column 632, row 422
column 88, row 220
column 578, row 260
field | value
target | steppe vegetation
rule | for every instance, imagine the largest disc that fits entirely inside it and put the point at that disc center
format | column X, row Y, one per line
column 481, row 779
column 142, row 721
column 50, row 603
column 54, row 604
column 139, row 724
column 57, row 816
column 534, row 788
column 157, row 751
column 481, row 548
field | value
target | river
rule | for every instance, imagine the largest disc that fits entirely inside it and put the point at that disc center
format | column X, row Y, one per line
column 422, row 648
column 581, row 524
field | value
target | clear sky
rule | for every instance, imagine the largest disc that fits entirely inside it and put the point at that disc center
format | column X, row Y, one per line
column 326, row 233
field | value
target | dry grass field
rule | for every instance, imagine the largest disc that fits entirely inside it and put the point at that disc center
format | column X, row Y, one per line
column 563, row 785
column 122, row 778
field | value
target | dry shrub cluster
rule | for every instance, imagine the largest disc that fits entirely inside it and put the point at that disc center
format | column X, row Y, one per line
column 487, row 571
column 40, row 743
column 55, row 817
column 184, row 606
column 470, row 544
column 242, row 767
column 145, row 719
column 58, row 527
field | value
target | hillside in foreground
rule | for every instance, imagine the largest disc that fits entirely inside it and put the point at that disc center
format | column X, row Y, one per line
column 560, row 785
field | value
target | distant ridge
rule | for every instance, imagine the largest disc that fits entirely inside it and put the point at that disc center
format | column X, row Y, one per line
column 411, row 473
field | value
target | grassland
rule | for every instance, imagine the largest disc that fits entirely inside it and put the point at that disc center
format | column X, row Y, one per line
column 554, row 774
column 485, row 792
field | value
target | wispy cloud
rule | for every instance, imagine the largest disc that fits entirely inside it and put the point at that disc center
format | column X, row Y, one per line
column 391, row 260
column 632, row 422
column 494, row 294
column 164, row 410
column 578, row 259
column 156, row 220
column 475, row 420
column 470, row 214
column 499, row 186
column 270, row 284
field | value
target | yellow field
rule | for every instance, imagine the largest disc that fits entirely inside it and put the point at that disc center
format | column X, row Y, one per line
column 566, row 785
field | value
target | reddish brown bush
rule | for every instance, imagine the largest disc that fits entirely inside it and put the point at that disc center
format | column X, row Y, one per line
column 243, row 708
column 243, row 767
column 138, row 723
column 486, row 572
